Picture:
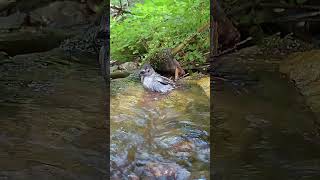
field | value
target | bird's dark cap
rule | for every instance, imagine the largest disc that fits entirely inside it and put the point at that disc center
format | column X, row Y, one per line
column 146, row 66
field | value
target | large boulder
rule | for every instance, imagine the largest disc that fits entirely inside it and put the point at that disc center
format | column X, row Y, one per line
column 60, row 14
column 5, row 3
column 14, row 21
column 30, row 40
column 304, row 69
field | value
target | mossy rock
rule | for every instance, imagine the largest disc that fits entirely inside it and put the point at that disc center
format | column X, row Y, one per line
column 304, row 69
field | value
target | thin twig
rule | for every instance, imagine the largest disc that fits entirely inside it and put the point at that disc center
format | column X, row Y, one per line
column 298, row 16
column 182, row 76
column 120, row 9
column 287, row 6
column 234, row 47
column 220, row 78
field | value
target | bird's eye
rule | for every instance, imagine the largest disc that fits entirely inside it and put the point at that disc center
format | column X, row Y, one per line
column 148, row 70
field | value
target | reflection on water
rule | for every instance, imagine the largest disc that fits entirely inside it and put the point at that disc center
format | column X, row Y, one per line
column 153, row 133
column 51, row 120
column 266, row 132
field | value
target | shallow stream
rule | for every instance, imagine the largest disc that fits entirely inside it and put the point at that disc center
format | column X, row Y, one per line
column 160, row 135
column 52, row 112
column 264, row 131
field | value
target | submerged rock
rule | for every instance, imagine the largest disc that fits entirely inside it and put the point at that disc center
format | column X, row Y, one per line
column 60, row 14
column 31, row 40
column 3, row 55
column 14, row 21
column 163, row 171
column 202, row 80
column 169, row 132
column 304, row 69
column 55, row 107
column 6, row 3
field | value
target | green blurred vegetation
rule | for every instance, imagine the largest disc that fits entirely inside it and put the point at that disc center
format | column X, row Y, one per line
column 155, row 24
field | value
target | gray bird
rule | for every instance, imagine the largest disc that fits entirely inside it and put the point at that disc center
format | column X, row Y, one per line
column 154, row 81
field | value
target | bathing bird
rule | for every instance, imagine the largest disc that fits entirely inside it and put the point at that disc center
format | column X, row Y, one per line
column 155, row 82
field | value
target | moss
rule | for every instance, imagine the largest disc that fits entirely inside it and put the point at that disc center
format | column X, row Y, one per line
column 119, row 85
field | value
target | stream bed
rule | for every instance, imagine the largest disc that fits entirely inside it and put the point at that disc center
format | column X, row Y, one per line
column 52, row 111
column 264, row 131
column 162, row 136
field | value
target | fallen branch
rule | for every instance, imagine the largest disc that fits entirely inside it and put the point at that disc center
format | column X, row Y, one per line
column 287, row 6
column 204, row 67
column 298, row 16
column 307, row 19
column 182, row 76
column 220, row 78
column 120, row 9
column 234, row 47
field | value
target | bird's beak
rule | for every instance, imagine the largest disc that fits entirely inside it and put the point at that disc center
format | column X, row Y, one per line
column 142, row 72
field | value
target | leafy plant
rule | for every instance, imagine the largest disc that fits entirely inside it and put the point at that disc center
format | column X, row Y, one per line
column 156, row 24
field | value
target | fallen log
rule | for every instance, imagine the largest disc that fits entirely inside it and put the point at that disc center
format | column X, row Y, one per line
column 119, row 74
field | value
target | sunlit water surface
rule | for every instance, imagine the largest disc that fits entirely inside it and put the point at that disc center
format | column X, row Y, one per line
column 149, row 129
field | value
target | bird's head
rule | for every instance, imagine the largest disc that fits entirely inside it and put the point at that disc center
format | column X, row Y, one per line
column 146, row 70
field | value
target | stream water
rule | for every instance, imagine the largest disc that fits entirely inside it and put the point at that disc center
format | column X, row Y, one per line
column 264, row 131
column 52, row 118
column 163, row 136
column 51, row 127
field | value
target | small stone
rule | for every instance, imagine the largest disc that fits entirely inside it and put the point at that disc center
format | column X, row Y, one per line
column 129, row 66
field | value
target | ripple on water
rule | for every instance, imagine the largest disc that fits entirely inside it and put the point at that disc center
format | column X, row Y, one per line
column 153, row 134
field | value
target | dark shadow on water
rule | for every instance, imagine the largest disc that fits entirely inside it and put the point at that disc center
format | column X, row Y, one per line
column 52, row 119
column 265, row 132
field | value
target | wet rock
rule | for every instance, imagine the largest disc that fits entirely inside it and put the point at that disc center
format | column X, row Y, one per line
column 114, row 68
column 14, row 21
column 169, row 141
column 30, row 40
column 281, row 46
column 245, row 61
column 163, row 171
column 129, row 66
column 91, row 39
column 133, row 177
column 60, row 14
column 5, row 3
column 85, row 41
column 168, row 126
column 304, row 69
column 27, row 6
column 3, row 55
column 93, row 5
column 202, row 80
column 62, row 137
column 38, row 172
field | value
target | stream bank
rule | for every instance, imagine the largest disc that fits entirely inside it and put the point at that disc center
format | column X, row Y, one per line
column 263, row 124
column 52, row 96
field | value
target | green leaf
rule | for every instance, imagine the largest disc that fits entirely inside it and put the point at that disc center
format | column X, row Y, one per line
column 301, row 1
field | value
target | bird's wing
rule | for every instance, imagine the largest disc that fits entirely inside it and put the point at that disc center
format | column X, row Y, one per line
column 164, row 80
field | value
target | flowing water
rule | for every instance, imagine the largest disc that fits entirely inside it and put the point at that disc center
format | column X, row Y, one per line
column 51, row 127
column 264, row 131
column 51, row 118
column 160, row 135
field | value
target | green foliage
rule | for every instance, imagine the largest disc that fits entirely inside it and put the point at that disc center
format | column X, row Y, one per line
column 157, row 24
